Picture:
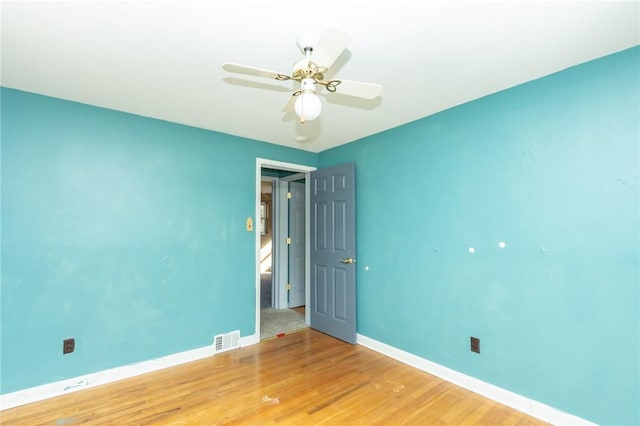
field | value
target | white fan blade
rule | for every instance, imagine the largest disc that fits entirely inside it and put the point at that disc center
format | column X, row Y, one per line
column 359, row 89
column 290, row 105
column 243, row 69
column 332, row 42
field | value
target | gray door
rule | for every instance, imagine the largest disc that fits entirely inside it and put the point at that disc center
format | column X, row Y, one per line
column 297, row 246
column 333, row 251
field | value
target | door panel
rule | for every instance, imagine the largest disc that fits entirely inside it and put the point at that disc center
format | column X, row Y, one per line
column 340, row 288
column 340, row 225
column 333, row 282
column 320, row 291
column 320, row 236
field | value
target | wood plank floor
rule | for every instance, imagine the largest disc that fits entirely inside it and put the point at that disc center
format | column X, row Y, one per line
column 305, row 378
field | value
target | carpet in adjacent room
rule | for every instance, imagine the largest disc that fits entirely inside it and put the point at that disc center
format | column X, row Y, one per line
column 276, row 321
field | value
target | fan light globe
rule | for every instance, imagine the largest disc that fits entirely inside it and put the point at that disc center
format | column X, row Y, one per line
column 308, row 106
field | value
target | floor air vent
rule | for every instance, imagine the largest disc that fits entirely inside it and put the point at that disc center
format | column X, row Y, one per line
column 226, row 342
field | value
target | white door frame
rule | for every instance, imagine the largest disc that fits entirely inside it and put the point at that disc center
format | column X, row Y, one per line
column 306, row 170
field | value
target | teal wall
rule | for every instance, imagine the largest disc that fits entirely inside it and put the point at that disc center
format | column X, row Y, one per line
column 550, row 168
column 124, row 232
column 128, row 234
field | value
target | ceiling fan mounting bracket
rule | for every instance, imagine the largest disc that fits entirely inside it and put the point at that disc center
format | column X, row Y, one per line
column 306, row 43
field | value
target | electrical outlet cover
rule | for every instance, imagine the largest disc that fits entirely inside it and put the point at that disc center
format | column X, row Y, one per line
column 68, row 346
column 475, row 345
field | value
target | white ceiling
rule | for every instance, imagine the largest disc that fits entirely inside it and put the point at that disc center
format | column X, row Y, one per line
column 163, row 59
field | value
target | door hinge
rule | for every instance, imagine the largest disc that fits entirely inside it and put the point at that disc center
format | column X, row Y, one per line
column 288, row 286
column 288, row 240
column 288, row 195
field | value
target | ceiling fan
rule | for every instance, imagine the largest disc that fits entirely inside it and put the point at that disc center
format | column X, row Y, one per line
column 310, row 71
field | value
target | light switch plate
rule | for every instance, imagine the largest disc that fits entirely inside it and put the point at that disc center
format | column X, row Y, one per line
column 249, row 224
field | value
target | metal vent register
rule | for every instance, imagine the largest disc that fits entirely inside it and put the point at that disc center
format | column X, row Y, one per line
column 226, row 342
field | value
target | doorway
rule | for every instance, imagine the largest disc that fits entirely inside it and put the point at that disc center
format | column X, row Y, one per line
column 282, row 246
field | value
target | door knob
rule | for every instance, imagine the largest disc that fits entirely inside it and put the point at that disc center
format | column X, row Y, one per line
column 348, row 260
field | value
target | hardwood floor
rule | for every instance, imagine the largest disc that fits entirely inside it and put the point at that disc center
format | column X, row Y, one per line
column 305, row 378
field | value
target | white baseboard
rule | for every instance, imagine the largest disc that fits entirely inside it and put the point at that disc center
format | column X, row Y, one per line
column 50, row 390
column 250, row 340
column 503, row 396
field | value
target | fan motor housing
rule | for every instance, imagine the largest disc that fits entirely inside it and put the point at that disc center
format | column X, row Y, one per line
column 302, row 69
